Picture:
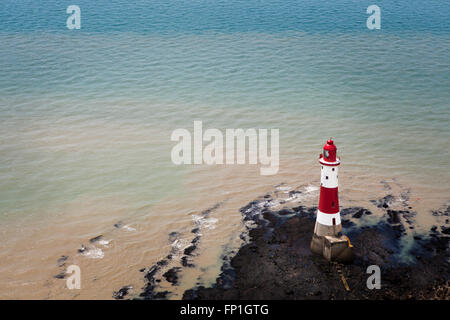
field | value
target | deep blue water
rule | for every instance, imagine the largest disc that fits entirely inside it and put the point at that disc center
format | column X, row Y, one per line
column 192, row 16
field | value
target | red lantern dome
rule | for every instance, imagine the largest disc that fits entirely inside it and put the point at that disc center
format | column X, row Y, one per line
column 329, row 151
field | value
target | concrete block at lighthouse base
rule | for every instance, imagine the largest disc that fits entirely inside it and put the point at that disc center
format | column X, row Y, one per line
column 333, row 248
column 338, row 249
column 317, row 244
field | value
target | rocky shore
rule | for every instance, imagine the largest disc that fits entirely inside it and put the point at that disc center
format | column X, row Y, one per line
column 275, row 261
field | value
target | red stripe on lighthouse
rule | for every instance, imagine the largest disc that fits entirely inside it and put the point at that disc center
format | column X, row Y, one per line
column 329, row 200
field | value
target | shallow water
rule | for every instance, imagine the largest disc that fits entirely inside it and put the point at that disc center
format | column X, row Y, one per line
column 86, row 119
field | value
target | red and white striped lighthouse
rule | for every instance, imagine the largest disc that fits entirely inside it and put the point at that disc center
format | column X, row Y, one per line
column 328, row 212
column 328, row 238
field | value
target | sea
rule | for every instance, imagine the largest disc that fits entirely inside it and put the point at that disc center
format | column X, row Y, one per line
column 86, row 118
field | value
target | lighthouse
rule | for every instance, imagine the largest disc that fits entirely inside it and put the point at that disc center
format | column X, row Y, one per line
column 328, row 239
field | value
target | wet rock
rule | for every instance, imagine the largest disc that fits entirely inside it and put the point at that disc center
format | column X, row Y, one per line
column 119, row 225
column 172, row 275
column 185, row 262
column 277, row 262
column 161, row 295
column 347, row 223
column 384, row 202
column 286, row 211
column 360, row 212
column 173, row 236
column 442, row 212
column 294, row 193
column 150, row 289
column 62, row 261
column 122, row 292
column 188, row 251
column 96, row 239
column 393, row 216
column 82, row 249
column 162, row 263
column 445, row 230
column 151, row 273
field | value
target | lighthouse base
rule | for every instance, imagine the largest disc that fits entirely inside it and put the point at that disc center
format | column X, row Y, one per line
column 333, row 248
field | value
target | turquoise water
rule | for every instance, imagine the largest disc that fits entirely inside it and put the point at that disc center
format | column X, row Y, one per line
column 88, row 113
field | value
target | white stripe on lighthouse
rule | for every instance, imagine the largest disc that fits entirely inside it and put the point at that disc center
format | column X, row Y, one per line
column 329, row 176
column 327, row 218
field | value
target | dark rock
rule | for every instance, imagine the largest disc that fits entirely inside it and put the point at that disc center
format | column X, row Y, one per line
column 393, row 216
column 358, row 214
column 346, row 223
column 162, row 263
column 185, row 262
column 286, row 211
column 172, row 275
column 160, row 295
column 95, row 239
column 294, row 193
column 122, row 292
column 119, row 225
column 188, row 251
column 62, row 261
column 445, row 230
column 277, row 262
column 151, row 272
column 173, row 236
column 195, row 230
column 442, row 212
column 384, row 202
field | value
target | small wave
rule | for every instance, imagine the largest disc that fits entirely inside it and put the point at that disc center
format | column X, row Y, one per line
column 94, row 253
column 180, row 244
column 310, row 188
column 205, row 223
column 128, row 228
column 104, row 242
column 285, row 189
